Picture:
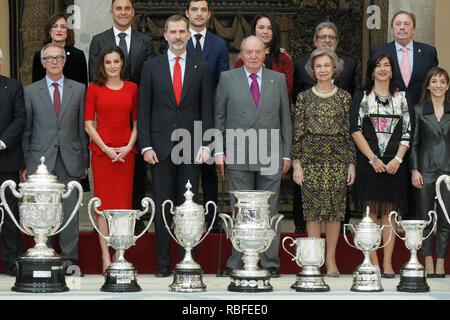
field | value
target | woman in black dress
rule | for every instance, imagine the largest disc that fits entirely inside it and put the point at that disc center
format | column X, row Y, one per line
column 58, row 32
column 380, row 126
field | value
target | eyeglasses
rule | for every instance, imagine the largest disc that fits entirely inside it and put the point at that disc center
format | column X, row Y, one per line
column 325, row 36
column 50, row 59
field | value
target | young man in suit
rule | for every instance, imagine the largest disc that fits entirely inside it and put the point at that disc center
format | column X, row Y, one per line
column 138, row 48
column 325, row 36
column 254, row 98
column 12, row 124
column 175, row 92
column 55, row 130
column 213, row 49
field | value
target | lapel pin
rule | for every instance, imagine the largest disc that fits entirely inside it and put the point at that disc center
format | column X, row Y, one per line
column 271, row 80
column 420, row 50
column 195, row 67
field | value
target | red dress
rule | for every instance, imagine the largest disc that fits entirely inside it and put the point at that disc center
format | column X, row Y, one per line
column 113, row 181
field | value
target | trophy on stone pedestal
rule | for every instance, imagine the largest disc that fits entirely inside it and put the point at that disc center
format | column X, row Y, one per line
column 367, row 277
column 121, row 276
column 40, row 269
column 444, row 178
column 189, row 220
column 413, row 274
column 310, row 256
column 251, row 232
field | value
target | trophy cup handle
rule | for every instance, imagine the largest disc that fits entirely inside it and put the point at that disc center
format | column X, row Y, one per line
column 212, row 221
column 277, row 217
column 397, row 222
column 3, row 217
column 70, row 186
column 442, row 178
column 226, row 217
column 390, row 235
column 97, row 203
column 431, row 219
column 12, row 185
column 146, row 202
column 293, row 242
column 165, row 221
column 345, row 234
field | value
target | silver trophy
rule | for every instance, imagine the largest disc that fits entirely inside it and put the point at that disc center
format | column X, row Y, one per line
column 413, row 274
column 310, row 256
column 121, row 276
column 189, row 220
column 444, row 178
column 367, row 238
column 40, row 269
column 251, row 232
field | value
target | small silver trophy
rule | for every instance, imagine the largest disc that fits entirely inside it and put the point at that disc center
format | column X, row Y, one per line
column 251, row 233
column 189, row 219
column 121, row 276
column 367, row 277
column 40, row 269
column 444, row 178
column 310, row 256
column 413, row 274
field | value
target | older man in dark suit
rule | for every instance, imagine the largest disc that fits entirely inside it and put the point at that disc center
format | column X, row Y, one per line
column 12, row 125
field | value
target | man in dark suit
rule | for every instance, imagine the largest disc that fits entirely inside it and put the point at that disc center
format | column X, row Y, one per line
column 138, row 48
column 325, row 36
column 175, row 92
column 213, row 49
column 12, row 124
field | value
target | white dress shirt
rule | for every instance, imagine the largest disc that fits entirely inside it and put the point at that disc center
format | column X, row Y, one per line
column 51, row 88
column 410, row 50
column 127, row 38
column 202, row 39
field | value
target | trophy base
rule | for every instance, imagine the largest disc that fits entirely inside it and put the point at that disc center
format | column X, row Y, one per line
column 367, row 281
column 413, row 280
column 250, row 281
column 121, row 280
column 310, row 283
column 187, row 280
column 40, row 275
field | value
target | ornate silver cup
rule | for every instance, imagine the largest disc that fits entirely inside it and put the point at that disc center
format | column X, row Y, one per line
column 121, row 276
column 251, row 233
column 413, row 274
column 40, row 269
column 444, row 178
column 367, row 277
column 310, row 256
column 189, row 219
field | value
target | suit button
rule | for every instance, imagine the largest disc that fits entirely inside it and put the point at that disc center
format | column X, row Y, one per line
column 56, row 146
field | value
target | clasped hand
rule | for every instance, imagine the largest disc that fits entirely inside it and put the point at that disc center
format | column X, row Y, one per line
column 117, row 154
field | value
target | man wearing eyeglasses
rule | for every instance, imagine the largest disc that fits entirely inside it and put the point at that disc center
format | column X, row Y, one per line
column 55, row 130
column 325, row 36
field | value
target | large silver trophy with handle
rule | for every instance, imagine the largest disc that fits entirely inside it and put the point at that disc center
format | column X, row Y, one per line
column 251, row 232
column 413, row 274
column 121, row 276
column 189, row 220
column 310, row 256
column 444, row 178
column 367, row 238
column 40, row 269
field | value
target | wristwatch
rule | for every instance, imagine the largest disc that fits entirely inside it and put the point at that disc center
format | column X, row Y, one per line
column 375, row 158
column 400, row 160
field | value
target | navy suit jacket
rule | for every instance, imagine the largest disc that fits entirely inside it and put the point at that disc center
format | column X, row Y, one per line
column 215, row 51
column 425, row 58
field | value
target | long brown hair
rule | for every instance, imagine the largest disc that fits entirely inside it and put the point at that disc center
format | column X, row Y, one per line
column 426, row 95
column 100, row 76
column 70, row 40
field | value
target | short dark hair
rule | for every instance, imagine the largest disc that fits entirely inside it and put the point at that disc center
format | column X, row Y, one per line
column 176, row 18
column 412, row 15
column 188, row 4
column 132, row 3
column 70, row 40
column 275, row 43
column 435, row 71
column 372, row 64
column 100, row 76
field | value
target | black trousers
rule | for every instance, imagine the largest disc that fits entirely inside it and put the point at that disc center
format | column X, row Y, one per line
column 139, row 182
column 209, row 187
column 11, row 237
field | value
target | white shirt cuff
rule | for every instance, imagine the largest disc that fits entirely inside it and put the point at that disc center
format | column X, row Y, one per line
column 146, row 149
column 2, row 144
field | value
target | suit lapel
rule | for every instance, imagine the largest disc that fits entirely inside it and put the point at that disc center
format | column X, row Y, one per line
column 266, row 92
column 110, row 38
column 206, row 46
column 244, row 90
column 135, row 48
column 417, row 60
column 167, row 79
column 67, row 95
column 3, row 89
column 190, row 72
column 446, row 116
column 393, row 54
column 44, row 94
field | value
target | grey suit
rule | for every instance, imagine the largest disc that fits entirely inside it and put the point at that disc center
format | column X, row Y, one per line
column 62, row 141
column 235, row 109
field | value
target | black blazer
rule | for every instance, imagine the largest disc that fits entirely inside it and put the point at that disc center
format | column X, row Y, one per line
column 12, row 124
column 158, row 113
column 425, row 58
column 74, row 69
column 141, row 49
column 430, row 150
column 303, row 81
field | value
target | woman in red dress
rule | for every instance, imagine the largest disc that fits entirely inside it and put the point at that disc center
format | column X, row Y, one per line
column 113, row 102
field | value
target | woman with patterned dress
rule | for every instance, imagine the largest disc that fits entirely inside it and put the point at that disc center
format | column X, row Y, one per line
column 323, row 152
column 380, row 126
column 113, row 103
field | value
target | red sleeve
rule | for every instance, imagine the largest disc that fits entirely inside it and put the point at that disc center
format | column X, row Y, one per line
column 238, row 63
column 135, row 102
column 91, row 101
column 288, row 70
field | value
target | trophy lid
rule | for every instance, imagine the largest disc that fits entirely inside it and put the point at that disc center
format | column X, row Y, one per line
column 42, row 177
column 367, row 222
column 189, row 205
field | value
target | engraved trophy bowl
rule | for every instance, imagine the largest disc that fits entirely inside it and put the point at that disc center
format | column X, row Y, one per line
column 40, row 269
column 310, row 256
column 367, row 238
column 250, row 231
column 121, row 276
column 189, row 220
column 413, row 274
column 443, row 178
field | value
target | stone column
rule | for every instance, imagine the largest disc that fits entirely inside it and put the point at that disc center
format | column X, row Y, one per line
column 285, row 23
